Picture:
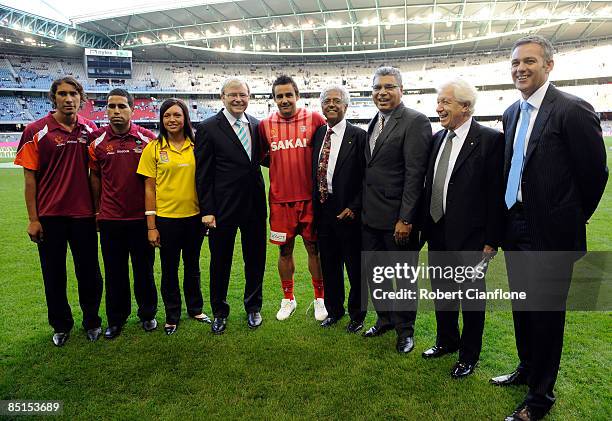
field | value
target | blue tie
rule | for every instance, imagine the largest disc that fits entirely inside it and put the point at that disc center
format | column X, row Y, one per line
column 242, row 136
column 516, row 165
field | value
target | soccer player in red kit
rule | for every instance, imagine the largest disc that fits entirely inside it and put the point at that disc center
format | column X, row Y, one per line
column 53, row 154
column 287, row 140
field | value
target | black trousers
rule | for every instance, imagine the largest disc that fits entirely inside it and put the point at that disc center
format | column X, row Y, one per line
column 340, row 248
column 221, row 242
column 180, row 235
column 401, row 318
column 80, row 234
column 120, row 241
column 538, row 333
column 469, row 341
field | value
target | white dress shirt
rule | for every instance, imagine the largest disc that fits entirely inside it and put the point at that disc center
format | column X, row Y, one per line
column 535, row 100
column 245, row 122
column 461, row 133
column 336, row 142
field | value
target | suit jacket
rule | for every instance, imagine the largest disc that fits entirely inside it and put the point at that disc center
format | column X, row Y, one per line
column 564, row 172
column 348, row 172
column 475, row 194
column 230, row 186
column 395, row 170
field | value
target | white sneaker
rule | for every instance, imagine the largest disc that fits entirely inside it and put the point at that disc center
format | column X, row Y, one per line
column 319, row 309
column 287, row 308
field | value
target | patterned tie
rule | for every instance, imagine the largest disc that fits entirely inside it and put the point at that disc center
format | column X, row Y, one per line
column 381, row 126
column 242, row 135
column 516, row 165
column 322, row 170
column 436, row 208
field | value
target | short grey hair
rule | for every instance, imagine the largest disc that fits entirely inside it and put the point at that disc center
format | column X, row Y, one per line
column 463, row 91
column 388, row 71
column 233, row 80
column 346, row 99
column 536, row 39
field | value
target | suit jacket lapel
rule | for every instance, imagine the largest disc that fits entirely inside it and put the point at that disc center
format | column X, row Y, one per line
column 371, row 126
column 345, row 147
column 509, row 134
column 231, row 134
column 471, row 141
column 389, row 126
column 254, row 138
column 540, row 122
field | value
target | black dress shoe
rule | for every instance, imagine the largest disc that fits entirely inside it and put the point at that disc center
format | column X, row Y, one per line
column 524, row 413
column 219, row 325
column 203, row 319
column 354, row 326
column 112, row 332
column 404, row 345
column 517, row 377
column 170, row 330
column 254, row 319
column 437, row 351
column 149, row 325
column 94, row 334
column 329, row 322
column 462, row 369
column 60, row 338
column 377, row 331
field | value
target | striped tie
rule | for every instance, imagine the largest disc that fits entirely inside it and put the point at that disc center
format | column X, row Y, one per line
column 242, row 136
column 377, row 132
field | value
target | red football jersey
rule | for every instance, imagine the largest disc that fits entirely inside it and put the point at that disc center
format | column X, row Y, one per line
column 60, row 159
column 288, row 141
column 115, row 158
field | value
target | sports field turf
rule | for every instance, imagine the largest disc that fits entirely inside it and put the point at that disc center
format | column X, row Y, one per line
column 283, row 370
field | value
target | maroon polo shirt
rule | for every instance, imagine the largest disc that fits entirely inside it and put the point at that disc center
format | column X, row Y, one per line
column 115, row 157
column 60, row 159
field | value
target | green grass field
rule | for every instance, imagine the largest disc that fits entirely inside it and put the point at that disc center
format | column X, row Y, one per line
column 283, row 370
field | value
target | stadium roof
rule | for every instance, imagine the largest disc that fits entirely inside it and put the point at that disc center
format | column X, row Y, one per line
column 280, row 29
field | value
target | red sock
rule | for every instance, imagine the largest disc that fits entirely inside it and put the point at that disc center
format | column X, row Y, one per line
column 288, row 289
column 317, row 284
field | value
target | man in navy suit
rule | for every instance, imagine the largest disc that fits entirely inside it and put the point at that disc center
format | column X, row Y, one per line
column 338, row 165
column 231, row 193
column 462, row 217
column 555, row 175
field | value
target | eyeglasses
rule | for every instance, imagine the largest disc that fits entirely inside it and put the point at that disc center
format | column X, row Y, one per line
column 378, row 88
column 335, row 101
column 237, row 95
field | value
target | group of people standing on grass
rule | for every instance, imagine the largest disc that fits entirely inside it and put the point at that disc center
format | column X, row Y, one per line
column 345, row 190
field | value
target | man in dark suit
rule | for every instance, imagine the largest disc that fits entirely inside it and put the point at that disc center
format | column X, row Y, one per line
column 555, row 175
column 338, row 164
column 463, row 213
column 231, row 192
column 397, row 153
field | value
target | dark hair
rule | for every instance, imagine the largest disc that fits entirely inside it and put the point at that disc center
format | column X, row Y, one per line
column 547, row 47
column 284, row 80
column 123, row 93
column 187, row 129
column 71, row 81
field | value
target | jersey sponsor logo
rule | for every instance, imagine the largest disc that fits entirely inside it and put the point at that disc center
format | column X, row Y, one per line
column 123, row 151
column 163, row 156
column 289, row 144
column 281, row 237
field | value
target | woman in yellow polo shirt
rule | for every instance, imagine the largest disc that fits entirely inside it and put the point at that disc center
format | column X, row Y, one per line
column 173, row 214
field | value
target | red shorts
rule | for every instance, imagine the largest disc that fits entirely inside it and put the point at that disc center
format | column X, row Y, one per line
column 290, row 219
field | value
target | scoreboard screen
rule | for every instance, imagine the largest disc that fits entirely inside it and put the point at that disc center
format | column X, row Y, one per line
column 110, row 64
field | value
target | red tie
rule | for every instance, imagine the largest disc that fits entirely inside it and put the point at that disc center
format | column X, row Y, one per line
column 322, row 170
